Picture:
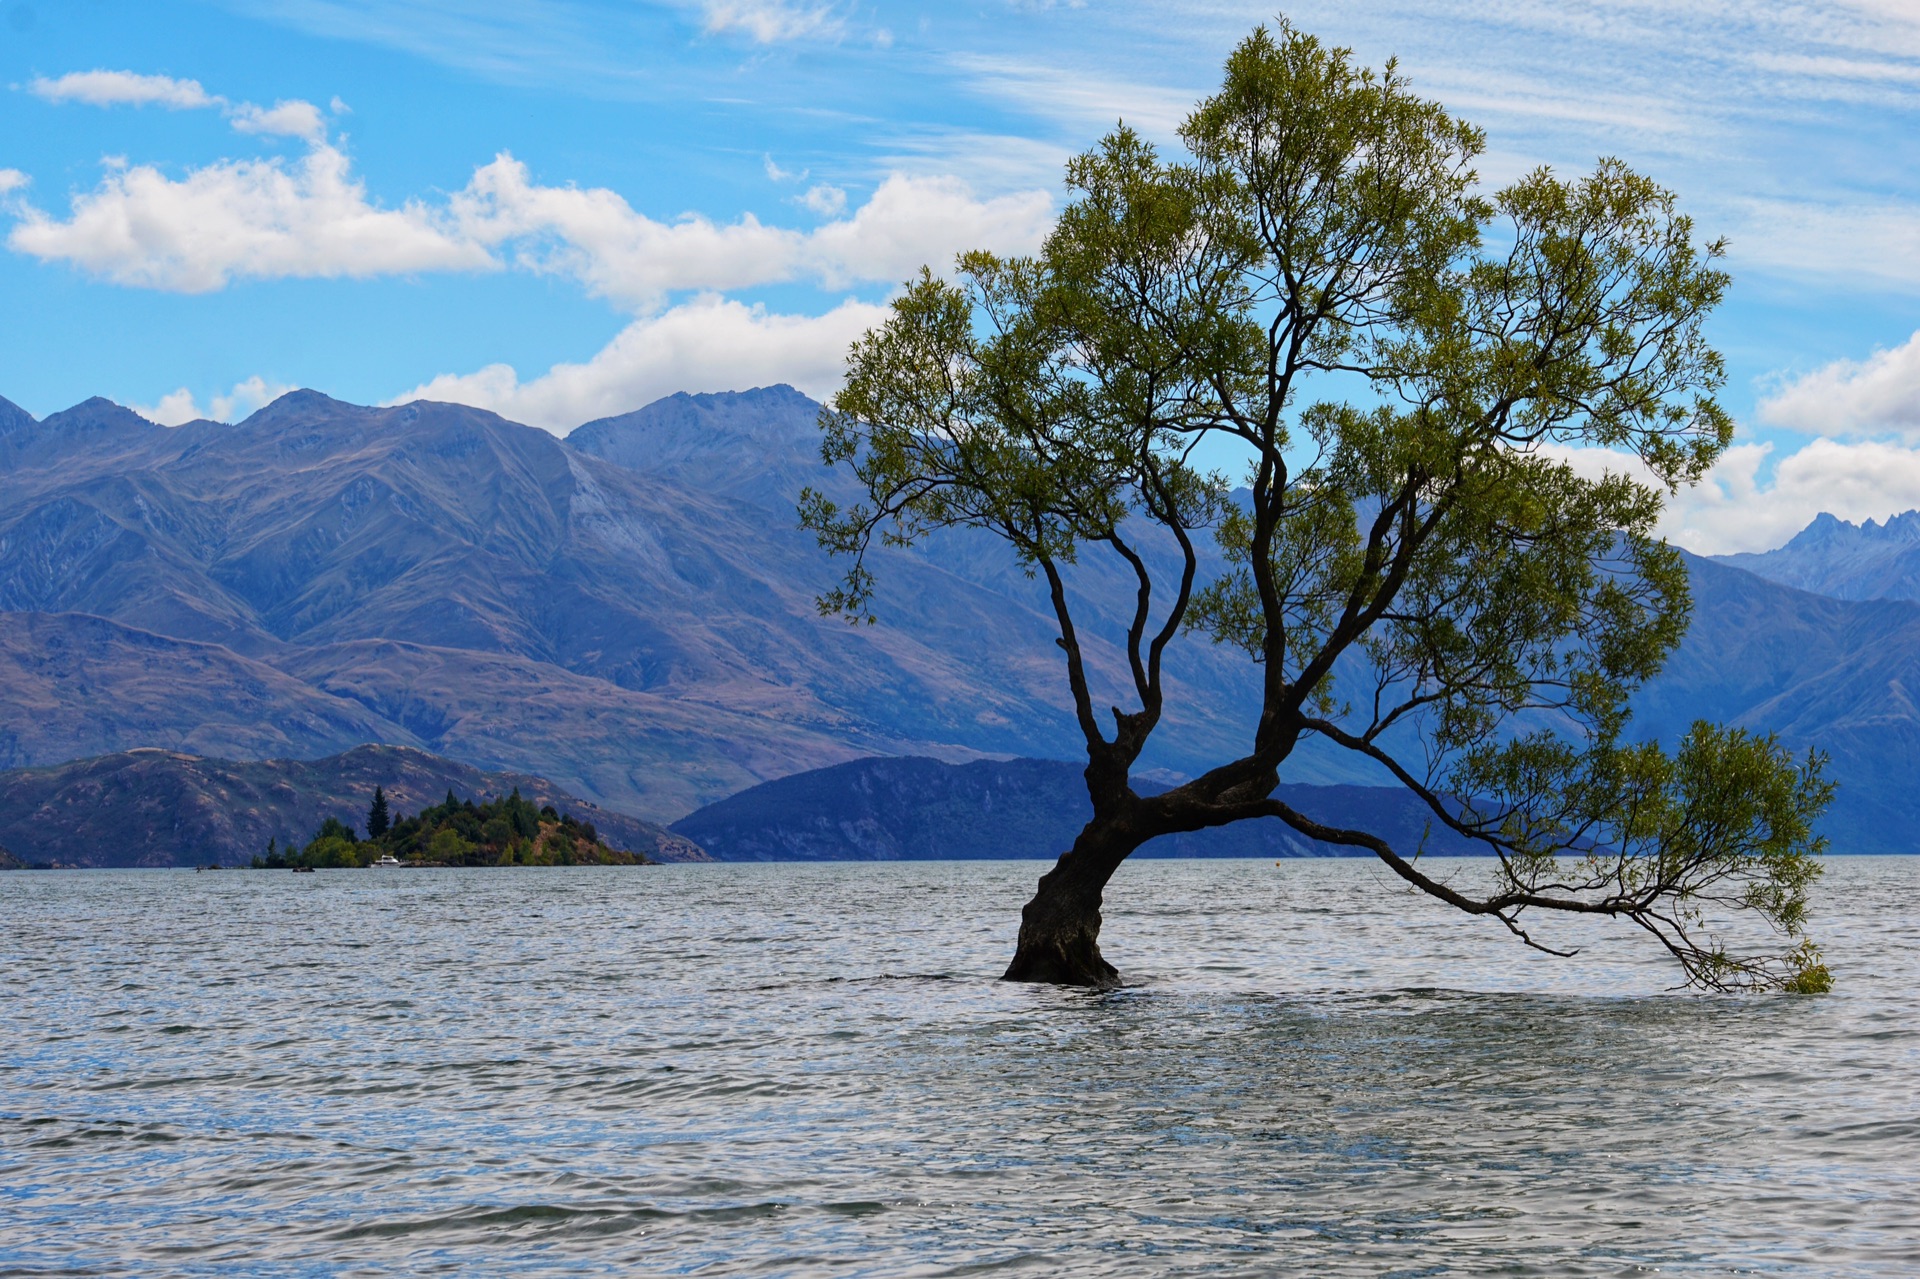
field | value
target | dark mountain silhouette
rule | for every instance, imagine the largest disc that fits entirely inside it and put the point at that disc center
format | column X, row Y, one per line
column 168, row 808
column 1848, row 561
column 928, row 810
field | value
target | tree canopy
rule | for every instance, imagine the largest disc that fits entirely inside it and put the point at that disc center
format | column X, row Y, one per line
column 1421, row 558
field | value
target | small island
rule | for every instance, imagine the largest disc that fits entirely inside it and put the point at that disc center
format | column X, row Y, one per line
column 508, row 831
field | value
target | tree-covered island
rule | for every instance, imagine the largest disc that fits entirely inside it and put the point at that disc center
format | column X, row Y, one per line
column 509, row 831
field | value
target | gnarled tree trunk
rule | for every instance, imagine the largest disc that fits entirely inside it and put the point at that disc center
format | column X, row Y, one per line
column 1060, row 927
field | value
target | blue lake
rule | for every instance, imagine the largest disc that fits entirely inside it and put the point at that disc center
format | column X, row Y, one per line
column 801, row 1070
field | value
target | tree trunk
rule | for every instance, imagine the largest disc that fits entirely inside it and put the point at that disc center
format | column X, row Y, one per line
column 1060, row 927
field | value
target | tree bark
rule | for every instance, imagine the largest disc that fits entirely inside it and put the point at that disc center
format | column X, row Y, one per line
column 1060, row 928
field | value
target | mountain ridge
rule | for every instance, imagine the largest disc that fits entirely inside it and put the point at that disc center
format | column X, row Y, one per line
column 1838, row 558
column 631, row 614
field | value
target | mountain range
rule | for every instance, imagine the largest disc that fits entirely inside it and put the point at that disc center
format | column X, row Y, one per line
column 629, row 613
column 1848, row 561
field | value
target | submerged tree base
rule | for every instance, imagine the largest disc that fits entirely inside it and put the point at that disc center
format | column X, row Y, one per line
column 1060, row 928
column 1062, row 962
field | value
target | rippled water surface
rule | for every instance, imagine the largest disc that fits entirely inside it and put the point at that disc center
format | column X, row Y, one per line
column 809, row 1070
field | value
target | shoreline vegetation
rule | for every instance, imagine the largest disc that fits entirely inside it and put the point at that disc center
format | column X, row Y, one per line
column 509, row 831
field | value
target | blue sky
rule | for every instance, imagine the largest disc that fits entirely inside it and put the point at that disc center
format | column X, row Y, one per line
column 561, row 209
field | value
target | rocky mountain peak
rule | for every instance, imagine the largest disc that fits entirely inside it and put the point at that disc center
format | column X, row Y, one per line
column 13, row 417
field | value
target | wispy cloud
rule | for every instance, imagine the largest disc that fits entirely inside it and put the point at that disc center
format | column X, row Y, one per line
column 1078, row 102
column 1871, row 242
column 774, row 21
column 509, row 41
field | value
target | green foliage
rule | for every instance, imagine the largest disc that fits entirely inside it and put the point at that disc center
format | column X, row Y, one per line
column 379, row 820
column 1424, row 577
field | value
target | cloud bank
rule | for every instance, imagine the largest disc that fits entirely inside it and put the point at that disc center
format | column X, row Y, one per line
column 271, row 219
column 242, row 219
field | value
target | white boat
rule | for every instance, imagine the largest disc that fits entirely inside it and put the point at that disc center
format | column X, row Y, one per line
column 387, row 859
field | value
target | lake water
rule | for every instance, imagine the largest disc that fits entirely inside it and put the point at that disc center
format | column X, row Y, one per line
column 801, row 1070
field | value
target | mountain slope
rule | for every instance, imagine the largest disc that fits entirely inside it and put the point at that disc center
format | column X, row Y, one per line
column 167, row 808
column 1839, row 676
column 677, row 573
column 73, row 685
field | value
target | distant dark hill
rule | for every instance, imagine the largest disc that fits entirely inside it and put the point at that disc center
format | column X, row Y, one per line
column 1847, row 561
column 166, row 808
column 924, row 809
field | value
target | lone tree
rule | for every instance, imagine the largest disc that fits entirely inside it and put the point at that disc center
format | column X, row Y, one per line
column 379, row 820
column 1417, row 571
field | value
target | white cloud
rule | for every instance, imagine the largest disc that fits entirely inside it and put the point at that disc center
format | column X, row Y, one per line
column 772, row 21
column 618, row 253
column 237, row 219
column 12, row 180
column 172, row 409
column 292, row 119
column 1740, row 510
column 179, row 406
column 827, row 201
column 1879, row 395
column 124, row 89
column 709, row 344
column 268, row 219
column 1744, row 506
